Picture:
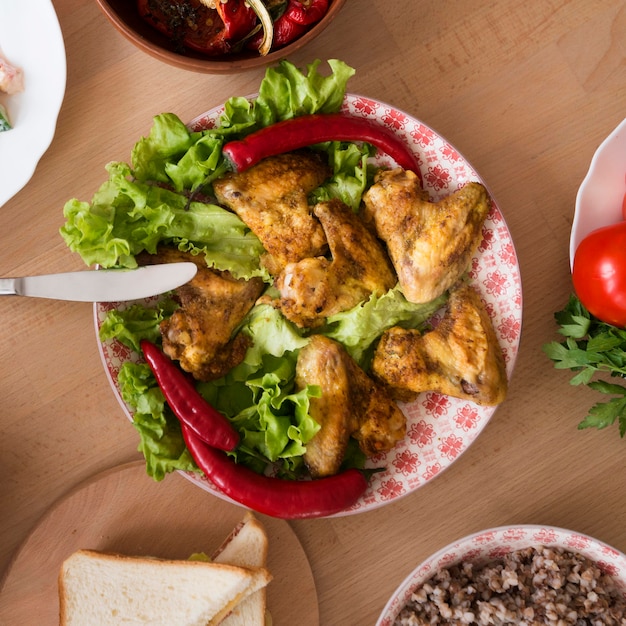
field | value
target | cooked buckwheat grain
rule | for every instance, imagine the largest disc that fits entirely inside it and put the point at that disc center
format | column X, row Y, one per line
column 532, row 587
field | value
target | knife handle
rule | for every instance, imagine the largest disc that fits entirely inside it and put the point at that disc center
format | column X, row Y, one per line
column 7, row 287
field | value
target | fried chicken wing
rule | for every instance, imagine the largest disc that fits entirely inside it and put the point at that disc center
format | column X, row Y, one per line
column 200, row 333
column 271, row 198
column 460, row 357
column 351, row 404
column 430, row 244
column 382, row 424
column 315, row 288
column 322, row 362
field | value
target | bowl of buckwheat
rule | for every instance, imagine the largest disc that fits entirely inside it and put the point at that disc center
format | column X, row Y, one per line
column 522, row 575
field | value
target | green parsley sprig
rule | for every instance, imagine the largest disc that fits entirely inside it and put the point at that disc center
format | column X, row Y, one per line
column 592, row 347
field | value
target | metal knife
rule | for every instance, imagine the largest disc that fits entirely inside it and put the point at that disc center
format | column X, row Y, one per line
column 102, row 285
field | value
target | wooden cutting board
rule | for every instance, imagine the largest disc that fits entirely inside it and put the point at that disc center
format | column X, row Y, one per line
column 124, row 510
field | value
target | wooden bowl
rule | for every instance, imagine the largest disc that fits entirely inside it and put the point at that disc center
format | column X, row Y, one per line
column 124, row 16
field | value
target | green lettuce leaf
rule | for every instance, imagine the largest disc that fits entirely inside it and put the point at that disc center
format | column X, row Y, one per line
column 160, row 437
column 127, row 217
column 359, row 328
column 137, row 322
column 286, row 92
column 271, row 333
column 351, row 174
column 276, row 425
column 173, row 154
column 168, row 141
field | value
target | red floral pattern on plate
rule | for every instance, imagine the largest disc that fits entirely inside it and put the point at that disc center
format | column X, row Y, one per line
column 495, row 543
column 439, row 428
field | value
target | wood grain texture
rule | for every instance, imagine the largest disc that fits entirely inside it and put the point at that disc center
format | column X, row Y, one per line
column 526, row 92
column 124, row 511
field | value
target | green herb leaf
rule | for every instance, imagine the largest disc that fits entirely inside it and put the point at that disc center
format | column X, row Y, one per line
column 592, row 347
column 604, row 414
column 609, row 388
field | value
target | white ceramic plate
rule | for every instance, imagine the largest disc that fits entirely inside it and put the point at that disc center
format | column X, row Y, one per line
column 30, row 38
column 600, row 196
column 439, row 428
column 494, row 543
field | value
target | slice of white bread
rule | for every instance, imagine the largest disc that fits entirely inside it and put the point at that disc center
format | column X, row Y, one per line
column 103, row 589
column 246, row 546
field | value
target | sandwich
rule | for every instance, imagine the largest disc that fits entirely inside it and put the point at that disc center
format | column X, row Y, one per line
column 104, row 589
column 246, row 546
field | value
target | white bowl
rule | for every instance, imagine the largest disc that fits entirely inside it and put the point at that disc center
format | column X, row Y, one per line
column 494, row 543
column 600, row 196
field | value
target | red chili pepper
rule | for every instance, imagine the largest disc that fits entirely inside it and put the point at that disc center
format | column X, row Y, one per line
column 193, row 411
column 239, row 19
column 286, row 499
column 307, row 130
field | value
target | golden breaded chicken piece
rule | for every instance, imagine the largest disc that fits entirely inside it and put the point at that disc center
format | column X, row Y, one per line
column 322, row 362
column 271, row 198
column 461, row 357
column 430, row 244
column 351, row 404
column 200, row 333
column 315, row 288
column 381, row 423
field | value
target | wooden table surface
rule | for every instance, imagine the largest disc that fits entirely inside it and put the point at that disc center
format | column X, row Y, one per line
column 525, row 91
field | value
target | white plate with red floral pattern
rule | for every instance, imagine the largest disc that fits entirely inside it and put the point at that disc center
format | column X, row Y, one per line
column 494, row 543
column 439, row 428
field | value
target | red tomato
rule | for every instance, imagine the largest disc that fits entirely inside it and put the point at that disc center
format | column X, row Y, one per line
column 624, row 207
column 599, row 273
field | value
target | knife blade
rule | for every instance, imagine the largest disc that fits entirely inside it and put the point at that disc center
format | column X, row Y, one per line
column 113, row 285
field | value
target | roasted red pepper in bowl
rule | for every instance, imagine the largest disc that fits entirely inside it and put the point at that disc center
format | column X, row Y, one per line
column 211, row 31
column 187, row 23
column 225, row 26
column 238, row 17
column 297, row 18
